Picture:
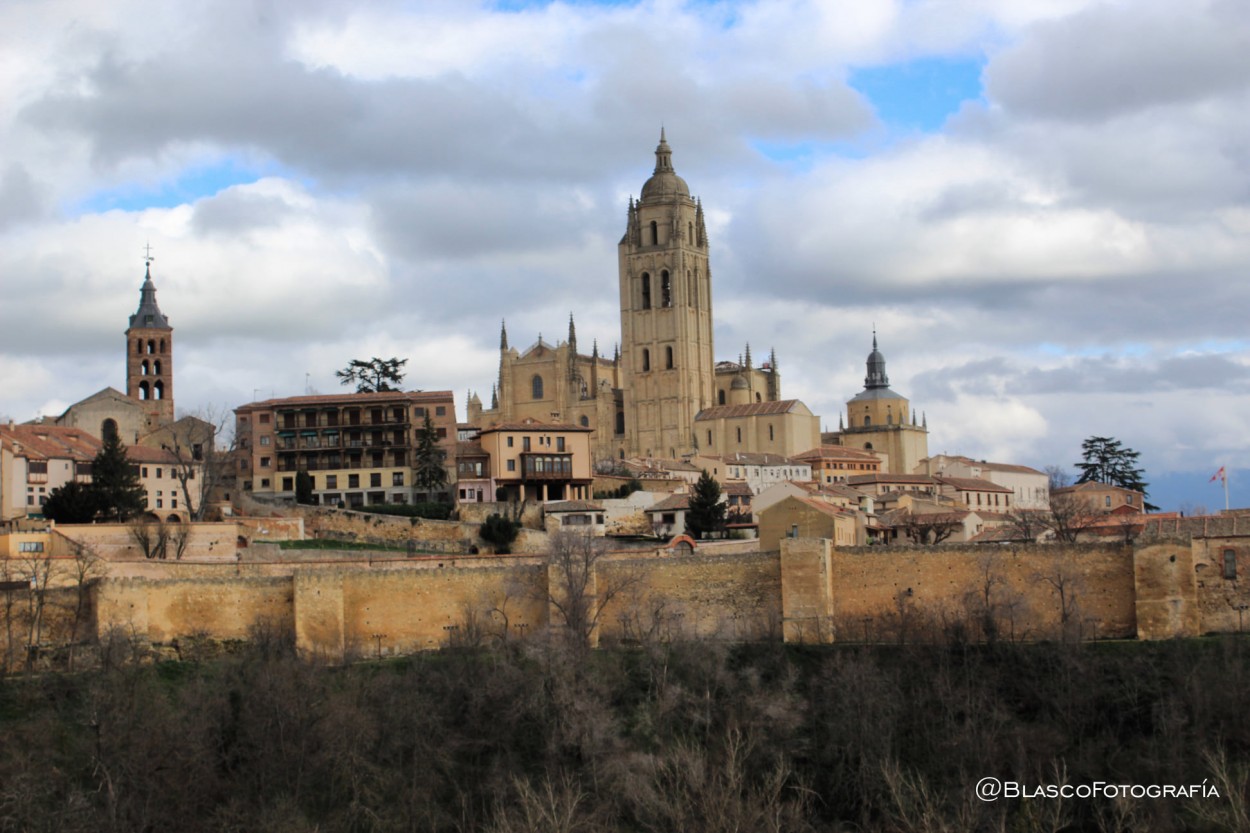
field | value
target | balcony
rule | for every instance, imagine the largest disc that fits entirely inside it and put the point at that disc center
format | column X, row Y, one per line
column 546, row 467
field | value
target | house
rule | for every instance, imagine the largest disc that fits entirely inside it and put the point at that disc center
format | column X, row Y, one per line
column 575, row 515
column 1030, row 488
column 757, row 470
column 807, row 517
column 359, row 448
column 1104, row 497
column 835, row 464
column 542, row 461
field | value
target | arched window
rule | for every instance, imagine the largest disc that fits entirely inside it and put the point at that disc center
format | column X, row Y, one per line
column 646, row 359
column 666, row 289
column 868, row 446
column 536, row 387
column 151, row 346
column 646, row 291
column 139, row 346
column 162, row 345
column 108, row 429
column 720, row 397
column 620, row 422
column 689, row 289
column 668, row 358
column 620, row 453
column 690, row 232
column 889, row 418
column 143, row 368
column 867, row 420
column 156, row 367
column 758, row 397
column 144, row 393
column 655, row 233
column 158, row 390
column 584, row 421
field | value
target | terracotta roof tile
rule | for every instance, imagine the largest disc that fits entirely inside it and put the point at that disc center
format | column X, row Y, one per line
column 783, row 406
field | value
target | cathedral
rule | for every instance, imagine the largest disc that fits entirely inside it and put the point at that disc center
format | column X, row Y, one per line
column 661, row 393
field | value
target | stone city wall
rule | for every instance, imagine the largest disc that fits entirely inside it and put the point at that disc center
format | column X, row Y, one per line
column 809, row 591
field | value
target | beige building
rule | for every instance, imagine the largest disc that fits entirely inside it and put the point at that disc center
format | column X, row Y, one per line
column 807, row 517
column 644, row 401
column 36, row 459
column 1104, row 497
column 1030, row 488
column 532, row 460
column 881, row 420
column 758, row 471
column 359, row 448
column 835, row 464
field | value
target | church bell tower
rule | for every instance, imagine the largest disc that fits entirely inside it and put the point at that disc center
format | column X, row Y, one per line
column 150, row 358
column 666, row 315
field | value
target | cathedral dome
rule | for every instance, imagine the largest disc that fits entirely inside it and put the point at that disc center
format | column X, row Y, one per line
column 664, row 183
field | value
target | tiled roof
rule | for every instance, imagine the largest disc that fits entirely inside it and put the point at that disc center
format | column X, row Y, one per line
column 838, row 452
column 971, row 484
column 535, row 425
column 671, row 503
column 865, row 479
column 736, row 487
column 375, row 398
column 752, row 458
column 43, row 442
column 783, row 406
column 571, row 506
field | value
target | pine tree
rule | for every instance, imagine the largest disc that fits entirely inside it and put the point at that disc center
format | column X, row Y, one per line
column 116, row 482
column 73, row 503
column 430, row 474
column 1106, row 460
column 706, row 514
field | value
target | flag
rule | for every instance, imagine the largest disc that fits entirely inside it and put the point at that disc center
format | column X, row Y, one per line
column 1219, row 475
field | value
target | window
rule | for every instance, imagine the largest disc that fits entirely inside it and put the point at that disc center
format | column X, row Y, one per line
column 1107, row 500
column 264, row 463
column 709, row 439
column 1230, row 565
column 584, row 421
column 144, row 470
column 620, row 426
column 264, row 419
column 655, row 233
column 108, row 429
column 441, row 433
column 158, row 472
column 666, row 289
column 512, row 465
column 668, row 518
column 867, row 420
column 264, row 440
column 160, row 504
column 353, row 481
column 646, row 359
column 440, row 410
column 397, row 478
column 770, row 433
column 536, row 387
column 668, row 358
column 418, row 412
column 332, row 481
column 509, row 442
column 739, row 435
column 525, row 443
column 375, row 479
column 646, row 291
column 31, row 546
column 264, row 483
column 288, row 483
column 559, row 443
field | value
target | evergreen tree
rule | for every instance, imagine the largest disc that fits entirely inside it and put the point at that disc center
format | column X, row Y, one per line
column 706, row 514
column 73, row 503
column 116, row 482
column 1106, row 460
column 430, row 474
column 303, row 487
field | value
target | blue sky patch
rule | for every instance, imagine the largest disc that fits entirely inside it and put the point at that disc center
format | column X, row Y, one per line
column 920, row 94
column 190, row 184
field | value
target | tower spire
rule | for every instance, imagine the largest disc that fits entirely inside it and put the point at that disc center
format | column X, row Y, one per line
column 663, row 155
column 503, row 334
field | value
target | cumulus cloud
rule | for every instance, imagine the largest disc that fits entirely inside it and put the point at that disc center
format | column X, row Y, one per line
column 1072, row 243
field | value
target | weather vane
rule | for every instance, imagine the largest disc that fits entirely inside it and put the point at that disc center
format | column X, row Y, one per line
column 147, row 253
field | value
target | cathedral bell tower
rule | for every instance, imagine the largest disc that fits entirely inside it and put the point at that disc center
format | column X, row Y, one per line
column 666, row 315
column 150, row 358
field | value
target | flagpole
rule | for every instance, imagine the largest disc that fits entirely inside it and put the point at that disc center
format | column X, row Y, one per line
column 1225, row 490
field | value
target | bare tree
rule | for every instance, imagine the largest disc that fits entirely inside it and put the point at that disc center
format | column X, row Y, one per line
column 1027, row 524
column 576, row 590
column 932, row 528
column 1069, row 516
column 87, row 566
column 200, row 446
column 1064, row 578
column 37, row 567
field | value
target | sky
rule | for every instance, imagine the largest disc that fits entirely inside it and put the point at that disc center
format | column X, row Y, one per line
column 1042, row 206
